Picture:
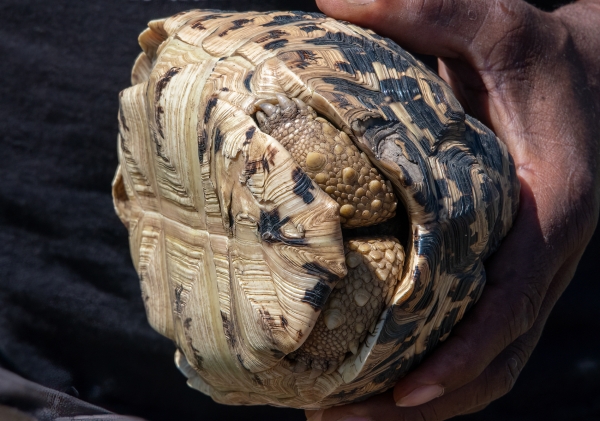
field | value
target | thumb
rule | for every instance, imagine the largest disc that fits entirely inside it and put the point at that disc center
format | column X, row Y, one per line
column 469, row 29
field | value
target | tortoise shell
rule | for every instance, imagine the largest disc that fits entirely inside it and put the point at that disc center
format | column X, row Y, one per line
column 240, row 247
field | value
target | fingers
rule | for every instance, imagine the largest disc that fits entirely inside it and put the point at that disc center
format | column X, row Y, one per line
column 494, row 381
column 438, row 27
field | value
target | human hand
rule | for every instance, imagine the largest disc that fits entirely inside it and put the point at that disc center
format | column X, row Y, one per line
column 534, row 78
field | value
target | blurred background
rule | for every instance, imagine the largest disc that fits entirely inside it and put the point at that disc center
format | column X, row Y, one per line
column 71, row 317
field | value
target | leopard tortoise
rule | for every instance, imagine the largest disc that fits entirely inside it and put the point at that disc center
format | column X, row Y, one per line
column 308, row 206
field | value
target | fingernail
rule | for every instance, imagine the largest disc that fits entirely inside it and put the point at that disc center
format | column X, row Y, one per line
column 360, row 2
column 316, row 416
column 421, row 395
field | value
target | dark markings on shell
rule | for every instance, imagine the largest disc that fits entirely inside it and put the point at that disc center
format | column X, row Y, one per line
column 305, row 58
column 268, row 159
column 437, row 91
column 317, row 296
column 462, row 287
column 277, row 353
column 444, row 328
column 199, row 360
column 312, row 15
column 325, row 275
column 238, row 23
column 362, row 53
column 228, row 330
column 309, row 28
column 252, row 167
column 284, row 322
column 442, row 187
column 425, row 298
column 303, row 185
column 396, row 329
column 343, row 66
column 224, row 89
column 198, row 25
column 475, row 294
column 457, row 166
column 283, row 20
column 250, row 134
column 247, row 81
column 273, row 45
column 158, row 112
column 488, row 152
column 344, row 394
column 209, row 107
column 257, row 381
column 179, row 303
column 378, row 131
column 389, row 141
column 230, row 213
column 269, row 228
column 214, row 16
column 433, row 311
column 340, row 100
column 218, row 140
column 391, row 373
column 240, row 360
column 274, row 34
column 202, row 139
column 394, row 356
column 122, row 119
column 268, row 322
column 407, row 90
column 164, row 81
column 368, row 98
column 158, row 144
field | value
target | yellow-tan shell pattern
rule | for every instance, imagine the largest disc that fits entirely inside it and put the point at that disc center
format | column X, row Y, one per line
column 240, row 254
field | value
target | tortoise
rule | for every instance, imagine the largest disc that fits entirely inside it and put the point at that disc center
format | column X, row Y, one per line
column 308, row 205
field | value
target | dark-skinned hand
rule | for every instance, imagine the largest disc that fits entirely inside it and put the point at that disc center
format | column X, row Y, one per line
column 534, row 78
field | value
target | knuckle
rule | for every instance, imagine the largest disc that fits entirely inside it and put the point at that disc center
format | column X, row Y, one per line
column 511, row 374
column 436, row 12
column 512, row 366
column 531, row 296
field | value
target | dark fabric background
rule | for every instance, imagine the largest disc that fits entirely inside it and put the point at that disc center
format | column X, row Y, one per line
column 71, row 317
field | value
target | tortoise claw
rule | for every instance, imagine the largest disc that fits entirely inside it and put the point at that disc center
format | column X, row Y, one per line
column 262, row 119
column 269, row 109
column 300, row 104
column 285, row 102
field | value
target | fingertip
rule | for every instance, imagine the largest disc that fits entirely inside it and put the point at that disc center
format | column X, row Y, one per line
column 357, row 11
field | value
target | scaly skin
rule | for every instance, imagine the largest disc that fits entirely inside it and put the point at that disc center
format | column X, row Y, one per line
column 374, row 266
column 329, row 157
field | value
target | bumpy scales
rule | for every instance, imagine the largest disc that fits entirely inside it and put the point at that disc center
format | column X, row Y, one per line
column 308, row 206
